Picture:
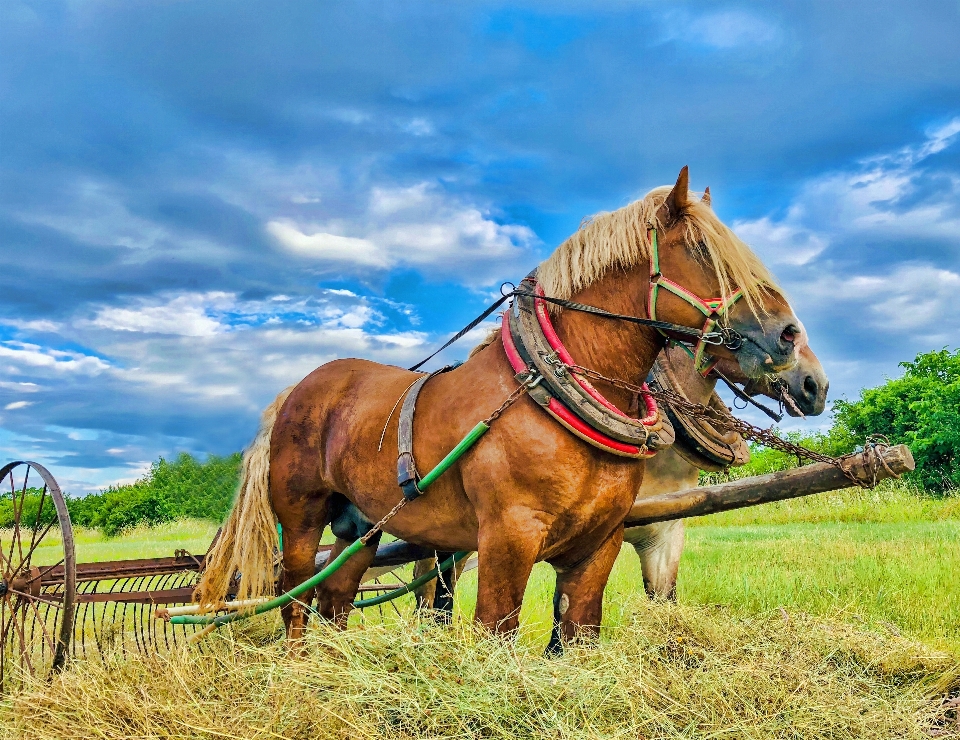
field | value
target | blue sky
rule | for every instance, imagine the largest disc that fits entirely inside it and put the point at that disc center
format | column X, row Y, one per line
column 200, row 202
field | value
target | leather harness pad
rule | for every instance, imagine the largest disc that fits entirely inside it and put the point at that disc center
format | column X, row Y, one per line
column 698, row 442
column 407, row 475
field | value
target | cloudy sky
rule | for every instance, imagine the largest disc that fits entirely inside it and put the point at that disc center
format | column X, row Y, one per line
column 202, row 201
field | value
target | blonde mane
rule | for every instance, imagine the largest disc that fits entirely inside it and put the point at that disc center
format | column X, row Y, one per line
column 620, row 239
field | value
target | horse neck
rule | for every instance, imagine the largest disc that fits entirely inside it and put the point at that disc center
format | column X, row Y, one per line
column 684, row 376
column 617, row 349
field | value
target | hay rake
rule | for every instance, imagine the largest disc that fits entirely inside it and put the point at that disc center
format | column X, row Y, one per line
column 52, row 607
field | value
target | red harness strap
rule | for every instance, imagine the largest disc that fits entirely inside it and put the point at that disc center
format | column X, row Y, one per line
column 543, row 316
column 560, row 412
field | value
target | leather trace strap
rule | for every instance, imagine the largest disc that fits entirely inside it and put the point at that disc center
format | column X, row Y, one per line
column 714, row 309
column 407, row 475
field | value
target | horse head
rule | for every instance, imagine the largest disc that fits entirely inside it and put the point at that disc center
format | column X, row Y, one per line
column 806, row 382
column 701, row 273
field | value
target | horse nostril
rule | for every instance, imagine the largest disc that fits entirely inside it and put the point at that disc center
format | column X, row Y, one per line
column 789, row 334
column 810, row 386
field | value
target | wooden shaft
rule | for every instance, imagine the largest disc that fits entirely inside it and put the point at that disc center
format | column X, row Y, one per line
column 762, row 489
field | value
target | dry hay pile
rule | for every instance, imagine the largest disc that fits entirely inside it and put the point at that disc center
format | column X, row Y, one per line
column 671, row 671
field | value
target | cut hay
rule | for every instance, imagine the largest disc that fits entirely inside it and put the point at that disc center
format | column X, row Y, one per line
column 670, row 671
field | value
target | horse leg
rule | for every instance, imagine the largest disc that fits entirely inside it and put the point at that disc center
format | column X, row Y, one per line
column 659, row 547
column 504, row 568
column 336, row 594
column 436, row 597
column 301, row 537
column 578, row 598
column 444, row 599
column 427, row 593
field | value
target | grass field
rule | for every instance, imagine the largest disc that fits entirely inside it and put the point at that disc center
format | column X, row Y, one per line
column 836, row 616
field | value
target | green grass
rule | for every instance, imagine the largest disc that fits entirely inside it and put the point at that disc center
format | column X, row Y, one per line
column 670, row 671
column 92, row 545
column 835, row 616
column 886, row 559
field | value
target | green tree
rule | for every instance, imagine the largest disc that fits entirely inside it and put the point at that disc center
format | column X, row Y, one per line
column 183, row 488
column 920, row 409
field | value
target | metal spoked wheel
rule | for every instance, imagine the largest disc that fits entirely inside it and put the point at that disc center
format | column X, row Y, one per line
column 37, row 574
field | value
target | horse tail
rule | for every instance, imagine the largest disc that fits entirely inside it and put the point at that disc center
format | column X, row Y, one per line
column 249, row 542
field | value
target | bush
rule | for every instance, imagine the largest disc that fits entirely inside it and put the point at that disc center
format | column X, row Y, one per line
column 28, row 514
column 185, row 488
column 124, row 507
column 920, row 409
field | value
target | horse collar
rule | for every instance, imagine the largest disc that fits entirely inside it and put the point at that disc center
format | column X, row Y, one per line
column 541, row 362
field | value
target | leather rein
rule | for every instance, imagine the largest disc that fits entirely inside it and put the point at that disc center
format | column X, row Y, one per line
column 538, row 357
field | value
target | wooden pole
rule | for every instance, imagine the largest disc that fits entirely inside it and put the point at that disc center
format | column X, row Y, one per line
column 762, row 489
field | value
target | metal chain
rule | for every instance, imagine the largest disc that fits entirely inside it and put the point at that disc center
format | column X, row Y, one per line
column 511, row 399
column 386, row 518
column 729, row 423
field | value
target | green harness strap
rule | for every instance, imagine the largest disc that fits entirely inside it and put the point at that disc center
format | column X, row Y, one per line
column 714, row 309
column 281, row 601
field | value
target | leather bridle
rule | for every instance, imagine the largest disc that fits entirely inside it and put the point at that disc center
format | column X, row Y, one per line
column 714, row 309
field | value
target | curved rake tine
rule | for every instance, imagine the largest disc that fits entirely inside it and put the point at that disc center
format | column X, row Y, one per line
column 43, row 628
column 23, row 644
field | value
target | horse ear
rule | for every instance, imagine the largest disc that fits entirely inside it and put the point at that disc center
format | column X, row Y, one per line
column 706, row 196
column 679, row 197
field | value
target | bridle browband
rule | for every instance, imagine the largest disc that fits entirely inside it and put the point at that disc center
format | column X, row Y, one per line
column 714, row 309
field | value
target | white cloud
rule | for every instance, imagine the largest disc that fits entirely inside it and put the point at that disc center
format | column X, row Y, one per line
column 723, row 29
column 21, row 387
column 783, row 242
column 911, row 298
column 388, row 201
column 302, row 199
column 325, row 246
column 416, row 226
column 861, row 203
column 17, row 405
column 419, row 127
column 218, row 348
column 184, row 315
column 37, row 325
column 22, row 355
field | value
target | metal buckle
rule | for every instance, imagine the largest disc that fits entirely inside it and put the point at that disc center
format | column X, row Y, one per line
column 732, row 340
column 530, row 379
column 713, row 337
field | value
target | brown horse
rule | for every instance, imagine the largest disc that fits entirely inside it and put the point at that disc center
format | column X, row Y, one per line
column 660, row 545
column 530, row 490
